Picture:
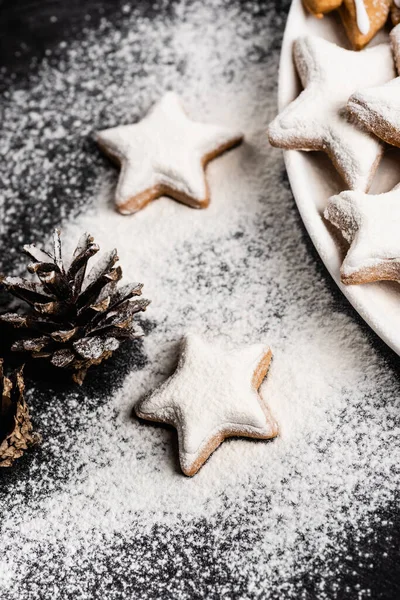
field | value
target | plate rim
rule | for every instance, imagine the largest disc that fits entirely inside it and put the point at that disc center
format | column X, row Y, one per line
column 322, row 240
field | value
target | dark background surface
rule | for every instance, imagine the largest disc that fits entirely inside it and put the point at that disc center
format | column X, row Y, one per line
column 27, row 30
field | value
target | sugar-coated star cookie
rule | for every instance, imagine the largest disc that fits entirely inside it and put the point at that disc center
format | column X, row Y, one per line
column 164, row 154
column 378, row 108
column 318, row 119
column 362, row 19
column 371, row 225
column 212, row 396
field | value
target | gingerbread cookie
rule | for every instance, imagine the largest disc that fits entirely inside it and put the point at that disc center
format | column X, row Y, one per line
column 318, row 119
column 212, row 396
column 362, row 19
column 371, row 225
column 378, row 108
column 319, row 8
column 164, row 154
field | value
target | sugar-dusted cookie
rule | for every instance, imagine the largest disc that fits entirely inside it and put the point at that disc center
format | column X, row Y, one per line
column 371, row 225
column 362, row 19
column 318, row 119
column 212, row 396
column 378, row 108
column 319, row 8
column 164, row 154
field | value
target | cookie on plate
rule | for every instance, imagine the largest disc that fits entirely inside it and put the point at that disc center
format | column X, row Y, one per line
column 371, row 225
column 319, row 8
column 318, row 119
column 362, row 19
column 378, row 108
column 395, row 12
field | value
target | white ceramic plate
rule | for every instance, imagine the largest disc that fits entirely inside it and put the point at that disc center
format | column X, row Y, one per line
column 313, row 179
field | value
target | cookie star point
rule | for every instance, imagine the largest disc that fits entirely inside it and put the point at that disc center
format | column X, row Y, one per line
column 318, row 120
column 212, row 395
column 370, row 223
column 164, row 154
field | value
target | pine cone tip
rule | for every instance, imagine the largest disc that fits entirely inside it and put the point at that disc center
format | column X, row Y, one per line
column 16, row 430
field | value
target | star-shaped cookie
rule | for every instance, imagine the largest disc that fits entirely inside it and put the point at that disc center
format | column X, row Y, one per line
column 318, row 119
column 378, row 108
column 211, row 396
column 371, row 225
column 164, row 154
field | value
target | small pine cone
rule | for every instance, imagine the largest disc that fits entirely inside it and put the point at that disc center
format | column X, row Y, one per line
column 75, row 320
column 16, row 431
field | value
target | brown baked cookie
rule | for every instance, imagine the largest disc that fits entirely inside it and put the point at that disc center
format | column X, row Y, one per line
column 319, row 8
column 362, row 19
column 395, row 12
column 378, row 108
column 371, row 224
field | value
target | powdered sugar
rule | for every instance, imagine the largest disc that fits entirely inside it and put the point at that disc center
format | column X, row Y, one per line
column 378, row 109
column 105, row 511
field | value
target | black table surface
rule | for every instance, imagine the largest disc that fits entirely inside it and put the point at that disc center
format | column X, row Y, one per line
column 26, row 33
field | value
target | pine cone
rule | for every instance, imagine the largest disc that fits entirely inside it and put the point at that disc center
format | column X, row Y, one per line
column 16, row 431
column 75, row 320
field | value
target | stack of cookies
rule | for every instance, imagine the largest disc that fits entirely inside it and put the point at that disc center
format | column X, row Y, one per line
column 350, row 109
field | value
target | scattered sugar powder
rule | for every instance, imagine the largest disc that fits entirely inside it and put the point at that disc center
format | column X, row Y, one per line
column 104, row 511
